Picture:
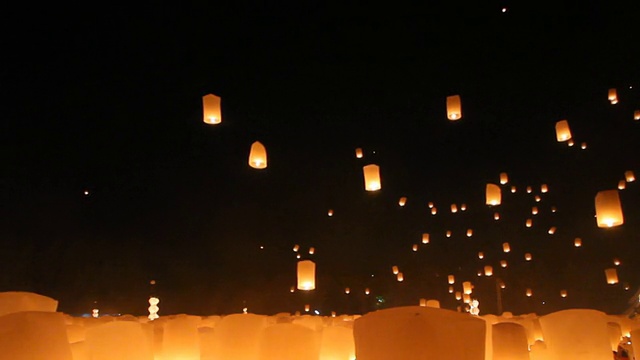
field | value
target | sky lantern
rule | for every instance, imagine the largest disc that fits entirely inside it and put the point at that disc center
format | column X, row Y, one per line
column 488, row 270
column 622, row 184
column 577, row 242
column 258, row 156
column 503, row 264
column 451, row 289
column 552, row 230
column 414, row 247
column 496, row 216
column 367, row 291
column 458, row 295
column 583, row 146
column 513, row 189
column 400, row 277
column 466, row 298
column 506, row 247
column 451, row 279
column 554, row 209
column 312, row 250
column 372, row 177
column 563, row 133
column 534, row 210
column 537, row 198
column 425, row 238
column 296, row 247
column 467, row 288
column 211, row 109
column 616, row 262
column 330, row 212
column 480, row 272
column 430, row 204
column 611, row 275
column 434, row 211
column 613, row 96
column 394, row 270
column 504, row 178
column 608, row 209
column 306, row 275
column 454, row 208
column 292, row 289
column 529, row 223
column 463, row 207
column 629, row 176
column 570, row 142
column 347, row 291
column 502, row 284
column 636, row 115
column 528, row 257
column 307, row 308
column 454, row 107
column 529, row 292
column 544, row 188
column 448, row 233
column 563, row 293
column 529, row 189
column 402, row 201
column 423, row 302
column 480, row 255
column 493, row 195
column 359, row 153
column 469, row 232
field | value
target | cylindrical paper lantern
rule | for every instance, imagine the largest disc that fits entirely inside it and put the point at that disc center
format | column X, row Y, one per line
column 425, row 238
column 258, row 156
column 480, row 255
column 211, row 109
column 451, row 279
column 296, row 248
column 448, row 233
column 636, row 115
column 454, row 107
column 430, row 204
column 434, row 211
column 359, row 153
column 330, row 212
column 306, row 275
column 469, row 232
column 528, row 223
column 611, row 275
column 616, row 262
column 622, row 184
column 570, row 142
column 372, row 177
column 312, row 250
column 529, row 292
column 367, row 291
column 506, row 247
column 629, row 176
column 513, row 189
column 563, row 133
column 423, row 302
column 402, row 201
column 503, row 263
column 400, row 276
column 454, row 208
column 395, row 270
column 544, row 188
column 552, row 230
column 528, row 256
column 414, row 247
column 463, row 207
column 458, row 295
column 534, row 210
column 496, row 216
column 493, row 195
column 563, row 293
column 504, row 178
column 613, row 96
column 488, row 270
column 577, row 242
column 467, row 288
column 608, row 209
column 451, row 289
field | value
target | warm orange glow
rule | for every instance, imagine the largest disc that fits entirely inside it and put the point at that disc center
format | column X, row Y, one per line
column 423, row 302
column 395, row 270
column 528, row 256
column 312, row 250
column 544, row 188
column 400, row 277
column 563, row 293
column 611, row 275
column 296, row 248
column 529, row 190
column 414, row 247
column 359, row 153
column 496, row 216
column 503, row 263
column 451, row 289
column 506, row 247
column 372, row 180
column 454, row 107
column 529, row 292
column 613, row 96
column 636, row 115
column 258, row 156
column 616, row 262
column 330, row 212
column 493, row 195
column 402, row 201
column 629, row 176
column 563, row 133
column 488, row 270
column 529, row 223
column 622, row 184
column 552, row 230
column 211, row 110
column 430, row 204
column 480, row 255
column 608, row 209
column 367, row 291
column 463, row 207
column 448, row 233
column 434, row 211
column 513, row 189
column 425, row 238
column 454, row 208
column 458, row 295
column 467, row 288
column 534, row 210
column 469, row 232
column 570, row 142
column 306, row 275
column 504, row 178
column 347, row 291
column 451, row 279
column 577, row 242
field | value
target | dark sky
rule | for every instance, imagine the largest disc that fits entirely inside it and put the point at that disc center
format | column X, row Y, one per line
column 110, row 103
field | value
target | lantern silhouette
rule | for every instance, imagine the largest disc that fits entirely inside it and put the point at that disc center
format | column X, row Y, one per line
column 307, row 307
column 488, row 270
column 395, row 270
column 493, row 194
column 611, row 275
column 402, row 201
column 563, row 132
column 577, row 242
column 211, row 109
column 451, row 279
column 467, row 288
column 629, row 176
column 306, row 275
column 359, row 153
column 425, row 238
column 258, row 156
column 613, row 96
column 528, row 257
column 466, row 298
column 454, row 107
column 504, row 178
column 372, row 177
column 506, row 247
column 608, row 209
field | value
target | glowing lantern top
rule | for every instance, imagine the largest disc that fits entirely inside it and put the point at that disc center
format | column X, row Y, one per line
column 608, row 209
column 211, row 110
column 563, row 133
column 372, row 177
column 493, row 195
column 454, row 107
column 258, row 156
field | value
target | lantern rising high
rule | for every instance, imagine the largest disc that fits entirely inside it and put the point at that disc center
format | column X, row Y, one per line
column 613, row 96
column 211, row 110
column 454, row 107
column 306, row 275
column 493, row 195
column 372, row 177
column 608, row 209
column 612, row 276
column 563, row 133
column 258, row 156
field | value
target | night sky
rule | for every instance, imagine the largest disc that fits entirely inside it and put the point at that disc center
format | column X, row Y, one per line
column 111, row 103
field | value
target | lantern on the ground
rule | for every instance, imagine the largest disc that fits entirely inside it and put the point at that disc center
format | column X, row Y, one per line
column 608, row 209
column 454, row 107
column 211, row 109
column 258, row 156
column 372, row 177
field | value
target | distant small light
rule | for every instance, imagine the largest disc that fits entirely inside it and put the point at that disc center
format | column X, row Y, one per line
column 583, row 146
column 261, row 247
column 543, row 302
column 298, row 256
column 630, row 86
column 245, row 310
column 504, row 9
column 316, row 312
column 86, row 192
column 372, row 275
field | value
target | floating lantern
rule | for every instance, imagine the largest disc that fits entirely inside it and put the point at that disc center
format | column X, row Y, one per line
column 622, row 184
column 480, row 255
column 414, row 247
column 450, row 289
column 502, row 285
column 400, row 277
column 298, row 256
column 493, row 195
column 504, row 178
column 258, row 156
column 367, row 291
column 616, row 262
column 503, row 264
column 529, row 190
column 513, row 189
column 467, row 288
column 347, row 291
column 448, row 233
column 608, row 209
column 563, row 293
column 312, row 250
column 330, row 212
column 402, row 201
column 563, row 133
column 496, row 216
column 296, row 248
column 395, row 270
column 629, row 176
column 544, row 188
column 529, row 292
column 488, row 270
column 306, row 275
column 583, row 146
column 552, row 230
column 359, row 153
column 479, row 272
column 434, row 211
column 372, row 177
column 506, row 247
column 613, row 96
column 466, row 298
column 307, row 308
column 454, row 208
column 553, row 209
column 528, row 257
column 211, row 110
column 451, row 279
column 425, row 238
column 611, row 275
column 292, row 289
column 454, row 107
column 469, row 232
column 463, row 207
column 537, row 198
column 430, row 204
column 577, row 242
column 570, row 142
column 534, row 210
column 636, row 115
column 458, row 295
column 528, row 223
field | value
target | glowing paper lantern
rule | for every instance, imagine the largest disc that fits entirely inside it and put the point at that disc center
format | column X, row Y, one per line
column 367, row 291
column 493, row 195
column 608, row 209
column 583, row 146
column 211, row 109
column 347, row 291
column 454, row 208
column 528, row 223
column 553, row 209
column 395, row 270
column 458, row 295
column 636, row 115
column 469, row 232
column 359, row 153
column 613, row 96
column 529, row 292
column 480, row 255
column 414, row 247
column 570, row 142
column 506, row 248
column 454, row 107
column 467, row 288
column 463, row 207
column 306, row 275
column 292, row 289
column 616, row 262
column 488, row 270
column 402, row 201
column 296, row 248
column 448, row 234
column 496, row 216
column 400, row 277
column 451, row 279
column 534, row 210
column 330, row 212
column 611, row 275
column 307, row 307
column 312, row 250
column 563, row 293
column 504, row 178
column 544, row 188
column 563, row 133
column 528, row 256
column 451, row 289
column 430, row 204
column 513, row 189
column 434, row 211
column 372, row 177
column 258, row 156
column 577, row 242
column 629, row 176
column 423, row 302
column 466, row 298
column 552, row 230
column 425, row 238
column 503, row 263
column 622, row 185
column 529, row 190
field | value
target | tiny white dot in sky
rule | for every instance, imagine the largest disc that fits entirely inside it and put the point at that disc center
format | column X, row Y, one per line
column 504, row 9
column 86, row 192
